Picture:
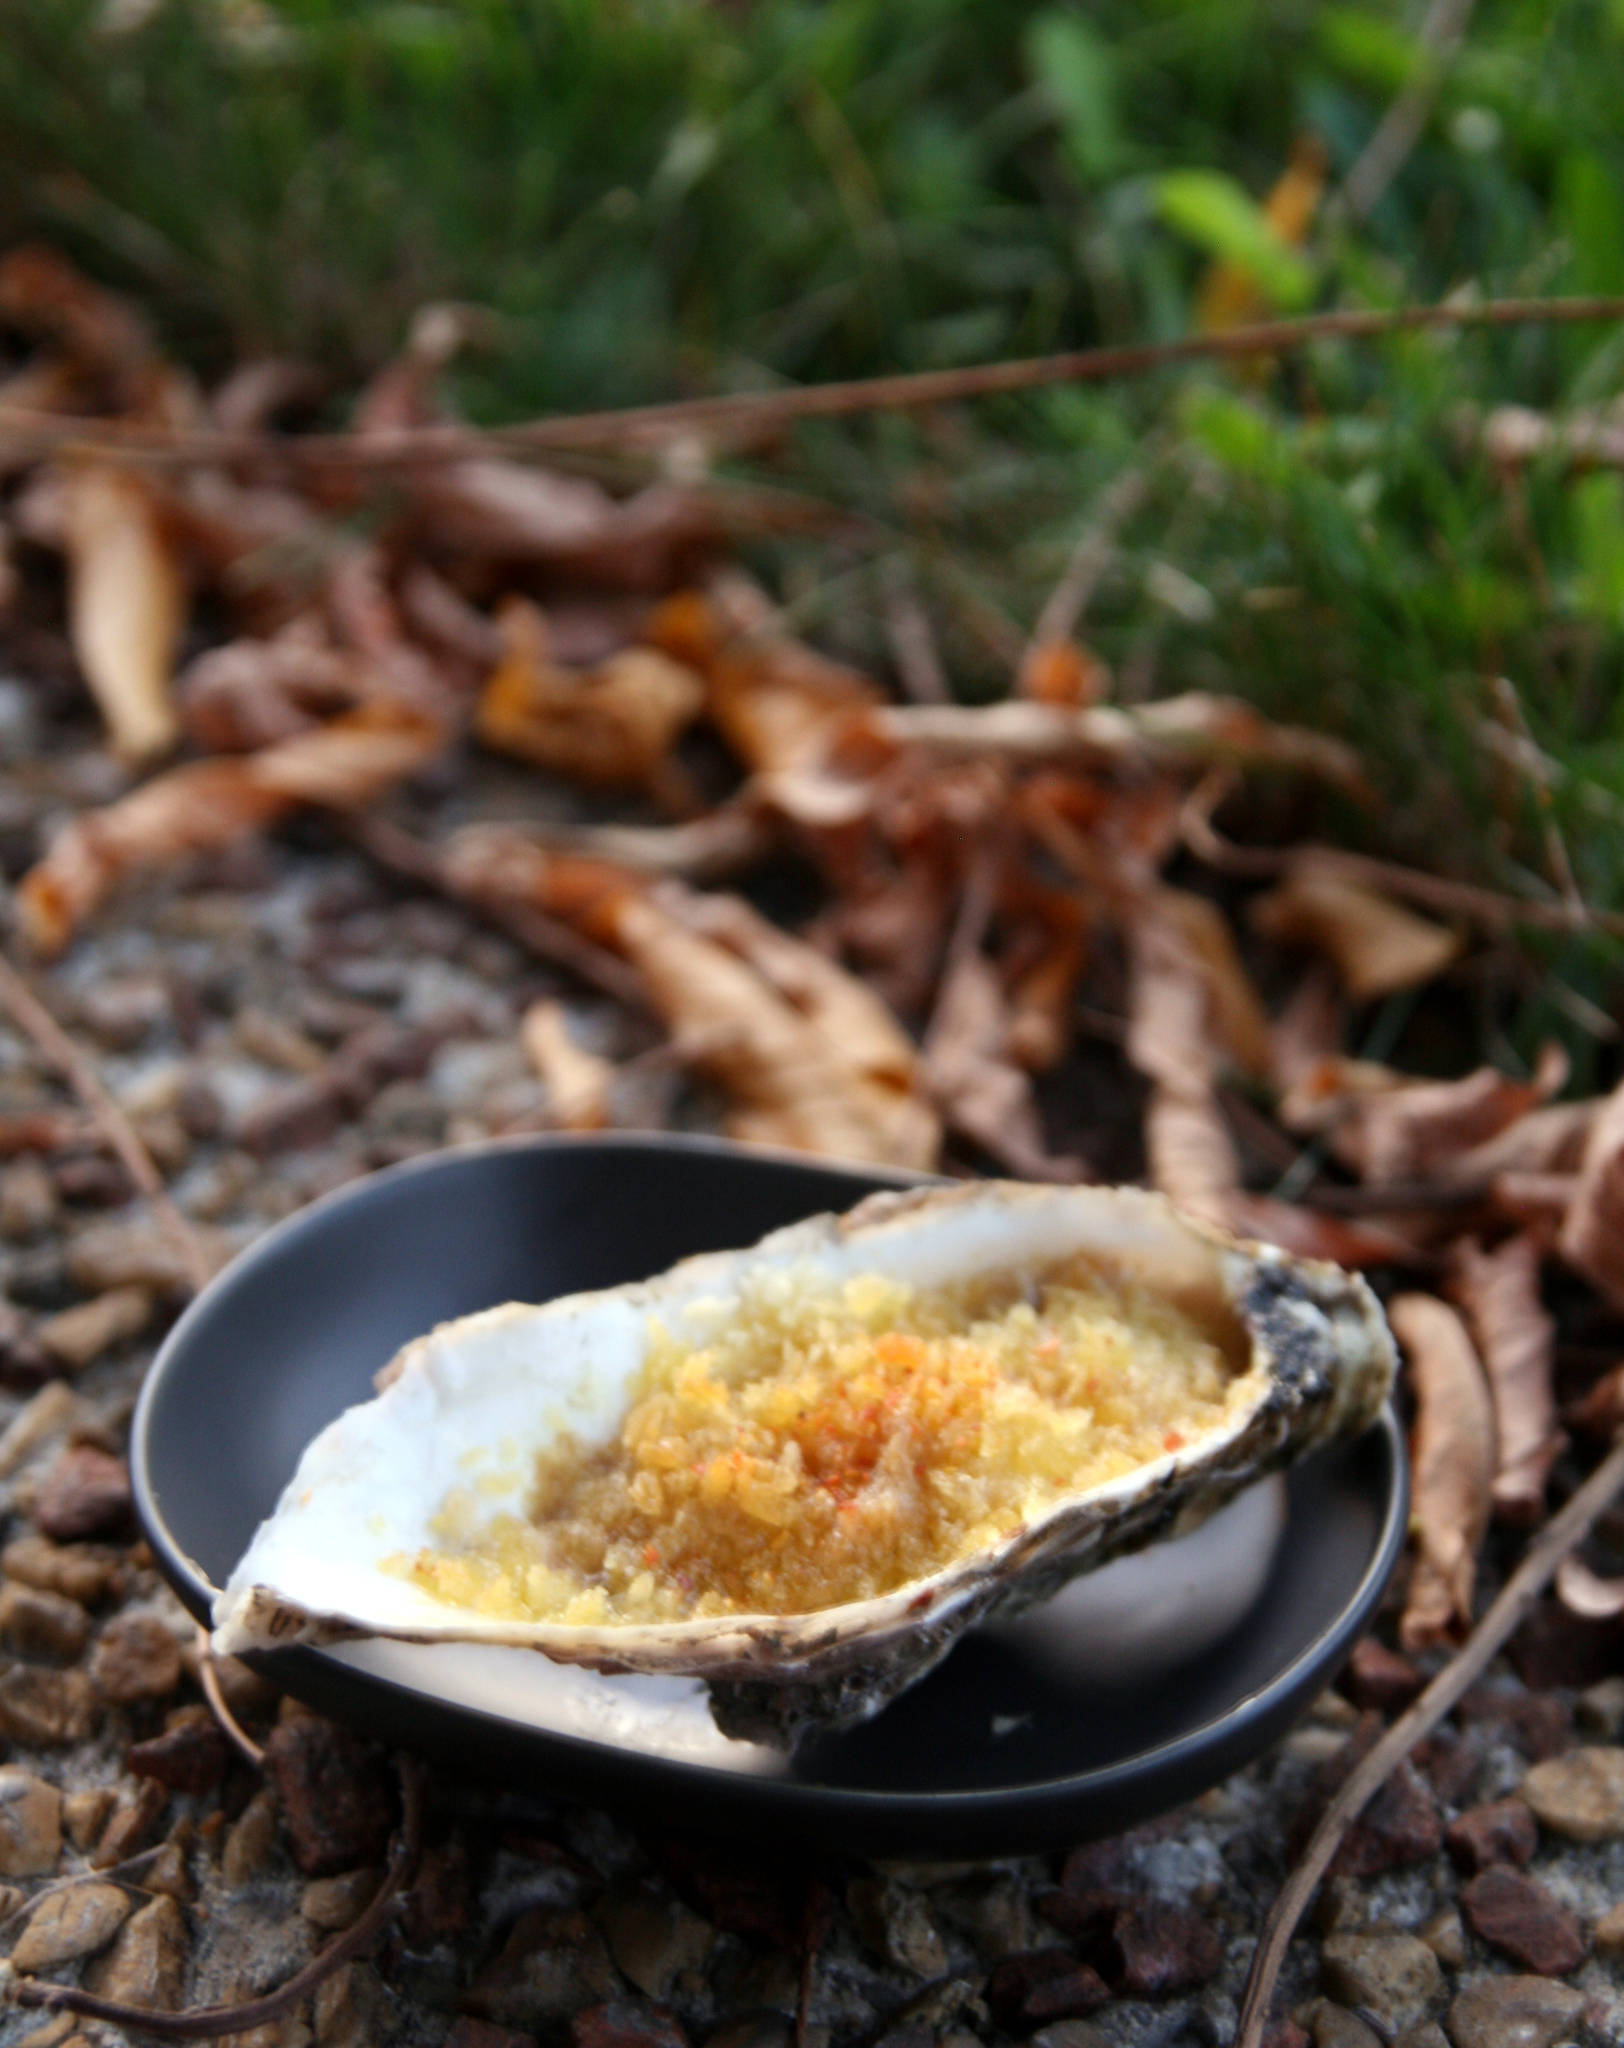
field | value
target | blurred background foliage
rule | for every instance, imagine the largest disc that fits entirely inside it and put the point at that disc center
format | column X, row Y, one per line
column 662, row 197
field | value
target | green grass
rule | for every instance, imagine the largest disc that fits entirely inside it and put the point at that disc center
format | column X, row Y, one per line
column 659, row 197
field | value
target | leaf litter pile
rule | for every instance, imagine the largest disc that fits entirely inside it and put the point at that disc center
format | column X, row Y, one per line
column 757, row 889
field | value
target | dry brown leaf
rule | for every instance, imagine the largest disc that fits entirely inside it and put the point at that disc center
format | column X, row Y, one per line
column 1176, row 733
column 1310, row 1233
column 1312, row 1027
column 1041, row 963
column 808, row 1056
column 1516, row 1340
column 1235, row 1008
column 613, row 725
column 1230, row 295
column 780, row 706
column 1549, row 1140
column 206, row 805
column 1389, row 1128
column 1453, row 1467
column 104, row 335
column 443, row 619
column 126, row 605
column 577, row 1081
column 1592, row 1239
column 1190, row 1153
column 971, row 1072
column 252, row 693
column 249, row 398
column 1586, row 1593
column 1376, row 945
column 1535, row 1202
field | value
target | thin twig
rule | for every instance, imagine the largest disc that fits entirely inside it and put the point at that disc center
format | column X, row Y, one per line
column 416, row 861
column 29, row 433
column 36, row 1022
column 209, row 2022
column 913, row 644
column 1400, row 128
column 1090, row 558
column 1559, row 1536
column 1490, row 907
column 1532, row 760
column 230, row 1727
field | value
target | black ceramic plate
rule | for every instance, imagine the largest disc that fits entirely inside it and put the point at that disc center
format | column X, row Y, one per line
column 987, row 1756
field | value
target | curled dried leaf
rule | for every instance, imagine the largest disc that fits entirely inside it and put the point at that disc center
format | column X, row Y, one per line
column 1235, row 1008
column 252, row 693
column 613, row 725
column 976, row 1082
column 1592, row 1239
column 1311, row 1234
column 1453, row 1467
column 1534, row 1202
column 1516, row 1339
column 207, row 805
column 1389, row 1128
column 807, row 1055
column 126, row 605
column 1376, row 945
column 577, row 1081
column 781, row 706
column 1190, row 1153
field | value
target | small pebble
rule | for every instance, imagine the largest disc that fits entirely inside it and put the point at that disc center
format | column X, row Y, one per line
column 83, row 1572
column 68, row 1925
column 1514, row 2012
column 45, row 1709
column 190, row 1756
column 1518, row 1916
column 51, row 1412
column 1502, row 1832
column 1580, row 1795
column 1025, row 1991
column 1608, row 1933
column 654, row 1939
column 1333, row 2026
column 1379, row 1677
column 87, row 1493
column 1395, row 1976
column 28, row 1200
column 30, row 1823
column 337, row 1801
column 42, row 1625
column 79, row 1336
column 84, row 1814
column 626, row 2023
column 147, row 1965
column 136, row 1658
column 334, row 1903
column 894, row 1923
column 251, row 1840
column 131, row 1825
column 1446, row 1937
column 1599, row 1709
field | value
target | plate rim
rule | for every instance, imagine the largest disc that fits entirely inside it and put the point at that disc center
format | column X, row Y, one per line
column 777, row 1797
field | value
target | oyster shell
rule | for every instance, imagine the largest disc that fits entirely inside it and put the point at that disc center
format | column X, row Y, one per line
column 1307, row 1346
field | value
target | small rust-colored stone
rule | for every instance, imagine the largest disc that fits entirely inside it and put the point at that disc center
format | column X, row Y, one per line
column 293, row 1118
column 131, row 1825
column 136, row 1658
column 190, row 1757
column 1379, row 1677
column 337, row 1803
column 1043, row 1984
column 437, row 1906
column 1520, row 1918
column 471, row 2033
column 1502, row 1832
column 87, row 1493
column 1537, row 1723
column 43, row 1626
column 626, row 2023
column 1401, row 1825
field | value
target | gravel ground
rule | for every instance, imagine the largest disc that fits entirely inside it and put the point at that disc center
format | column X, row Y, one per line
column 284, row 1021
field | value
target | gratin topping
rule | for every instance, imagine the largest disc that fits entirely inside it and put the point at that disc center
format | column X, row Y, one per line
column 821, row 1443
